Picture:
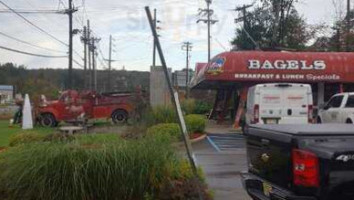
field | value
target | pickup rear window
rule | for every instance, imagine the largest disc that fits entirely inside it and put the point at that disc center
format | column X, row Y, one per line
column 350, row 102
column 335, row 102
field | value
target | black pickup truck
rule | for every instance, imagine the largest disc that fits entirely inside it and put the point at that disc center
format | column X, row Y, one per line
column 300, row 162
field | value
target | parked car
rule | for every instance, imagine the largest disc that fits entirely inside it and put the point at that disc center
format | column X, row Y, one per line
column 307, row 162
column 72, row 105
column 279, row 103
column 339, row 109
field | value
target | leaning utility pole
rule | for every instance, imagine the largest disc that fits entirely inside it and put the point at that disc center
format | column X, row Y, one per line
column 154, row 48
column 208, row 12
column 154, row 40
column 70, row 12
column 187, row 46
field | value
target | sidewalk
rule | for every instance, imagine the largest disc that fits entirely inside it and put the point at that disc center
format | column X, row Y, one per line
column 222, row 169
column 227, row 127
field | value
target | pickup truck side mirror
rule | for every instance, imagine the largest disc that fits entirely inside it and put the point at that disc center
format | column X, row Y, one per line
column 326, row 107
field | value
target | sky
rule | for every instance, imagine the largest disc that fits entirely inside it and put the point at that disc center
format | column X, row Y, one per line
column 126, row 21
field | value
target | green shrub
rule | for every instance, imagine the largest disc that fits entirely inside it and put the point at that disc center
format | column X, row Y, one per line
column 195, row 123
column 188, row 106
column 75, row 170
column 202, row 107
column 24, row 138
column 159, row 115
column 171, row 130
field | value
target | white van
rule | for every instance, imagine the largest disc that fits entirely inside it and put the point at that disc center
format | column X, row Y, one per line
column 279, row 103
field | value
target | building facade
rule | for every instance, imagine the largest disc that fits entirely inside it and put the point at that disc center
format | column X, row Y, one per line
column 6, row 93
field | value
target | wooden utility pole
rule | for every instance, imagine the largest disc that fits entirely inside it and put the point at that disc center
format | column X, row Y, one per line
column 209, row 21
column 348, row 26
column 94, row 75
column 209, row 37
column 243, row 19
column 110, row 63
column 187, row 46
column 276, row 10
column 89, row 54
column 84, row 40
column 70, row 12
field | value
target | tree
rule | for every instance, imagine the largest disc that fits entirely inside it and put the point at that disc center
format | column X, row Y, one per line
column 272, row 24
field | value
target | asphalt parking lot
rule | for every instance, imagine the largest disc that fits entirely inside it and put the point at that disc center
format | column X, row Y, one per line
column 223, row 158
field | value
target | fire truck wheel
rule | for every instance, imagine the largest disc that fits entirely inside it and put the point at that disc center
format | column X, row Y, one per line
column 119, row 116
column 48, row 120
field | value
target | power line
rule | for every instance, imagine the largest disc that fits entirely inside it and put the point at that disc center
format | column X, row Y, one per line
column 76, row 62
column 32, row 11
column 30, row 54
column 33, row 45
column 34, row 25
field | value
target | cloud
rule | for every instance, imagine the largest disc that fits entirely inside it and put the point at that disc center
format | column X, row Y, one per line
column 126, row 21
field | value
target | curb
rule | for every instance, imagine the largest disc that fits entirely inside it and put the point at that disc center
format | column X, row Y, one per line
column 198, row 139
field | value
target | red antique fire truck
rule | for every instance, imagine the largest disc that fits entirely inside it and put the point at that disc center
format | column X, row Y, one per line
column 73, row 105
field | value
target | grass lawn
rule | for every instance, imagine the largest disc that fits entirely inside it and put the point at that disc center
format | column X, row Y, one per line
column 6, row 132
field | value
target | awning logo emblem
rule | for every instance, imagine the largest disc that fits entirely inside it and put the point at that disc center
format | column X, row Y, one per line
column 217, row 66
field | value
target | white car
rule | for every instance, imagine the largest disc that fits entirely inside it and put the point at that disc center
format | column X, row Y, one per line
column 339, row 109
column 279, row 103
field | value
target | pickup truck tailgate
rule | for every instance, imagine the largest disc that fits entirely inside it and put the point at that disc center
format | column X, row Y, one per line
column 270, row 147
column 337, row 154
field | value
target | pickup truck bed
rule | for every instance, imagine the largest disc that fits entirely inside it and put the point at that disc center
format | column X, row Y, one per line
column 304, row 162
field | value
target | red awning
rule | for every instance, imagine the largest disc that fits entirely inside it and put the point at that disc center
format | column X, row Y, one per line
column 232, row 69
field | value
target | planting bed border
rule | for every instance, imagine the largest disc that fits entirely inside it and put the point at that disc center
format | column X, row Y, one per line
column 201, row 138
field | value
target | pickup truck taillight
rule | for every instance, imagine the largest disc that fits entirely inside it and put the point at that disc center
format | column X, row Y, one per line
column 305, row 168
column 256, row 114
column 310, row 114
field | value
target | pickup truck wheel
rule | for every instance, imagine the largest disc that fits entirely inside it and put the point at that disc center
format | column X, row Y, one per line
column 319, row 120
column 349, row 121
column 119, row 116
column 48, row 120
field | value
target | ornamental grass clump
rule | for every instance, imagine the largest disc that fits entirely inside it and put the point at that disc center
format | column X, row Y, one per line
column 90, row 167
column 25, row 138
